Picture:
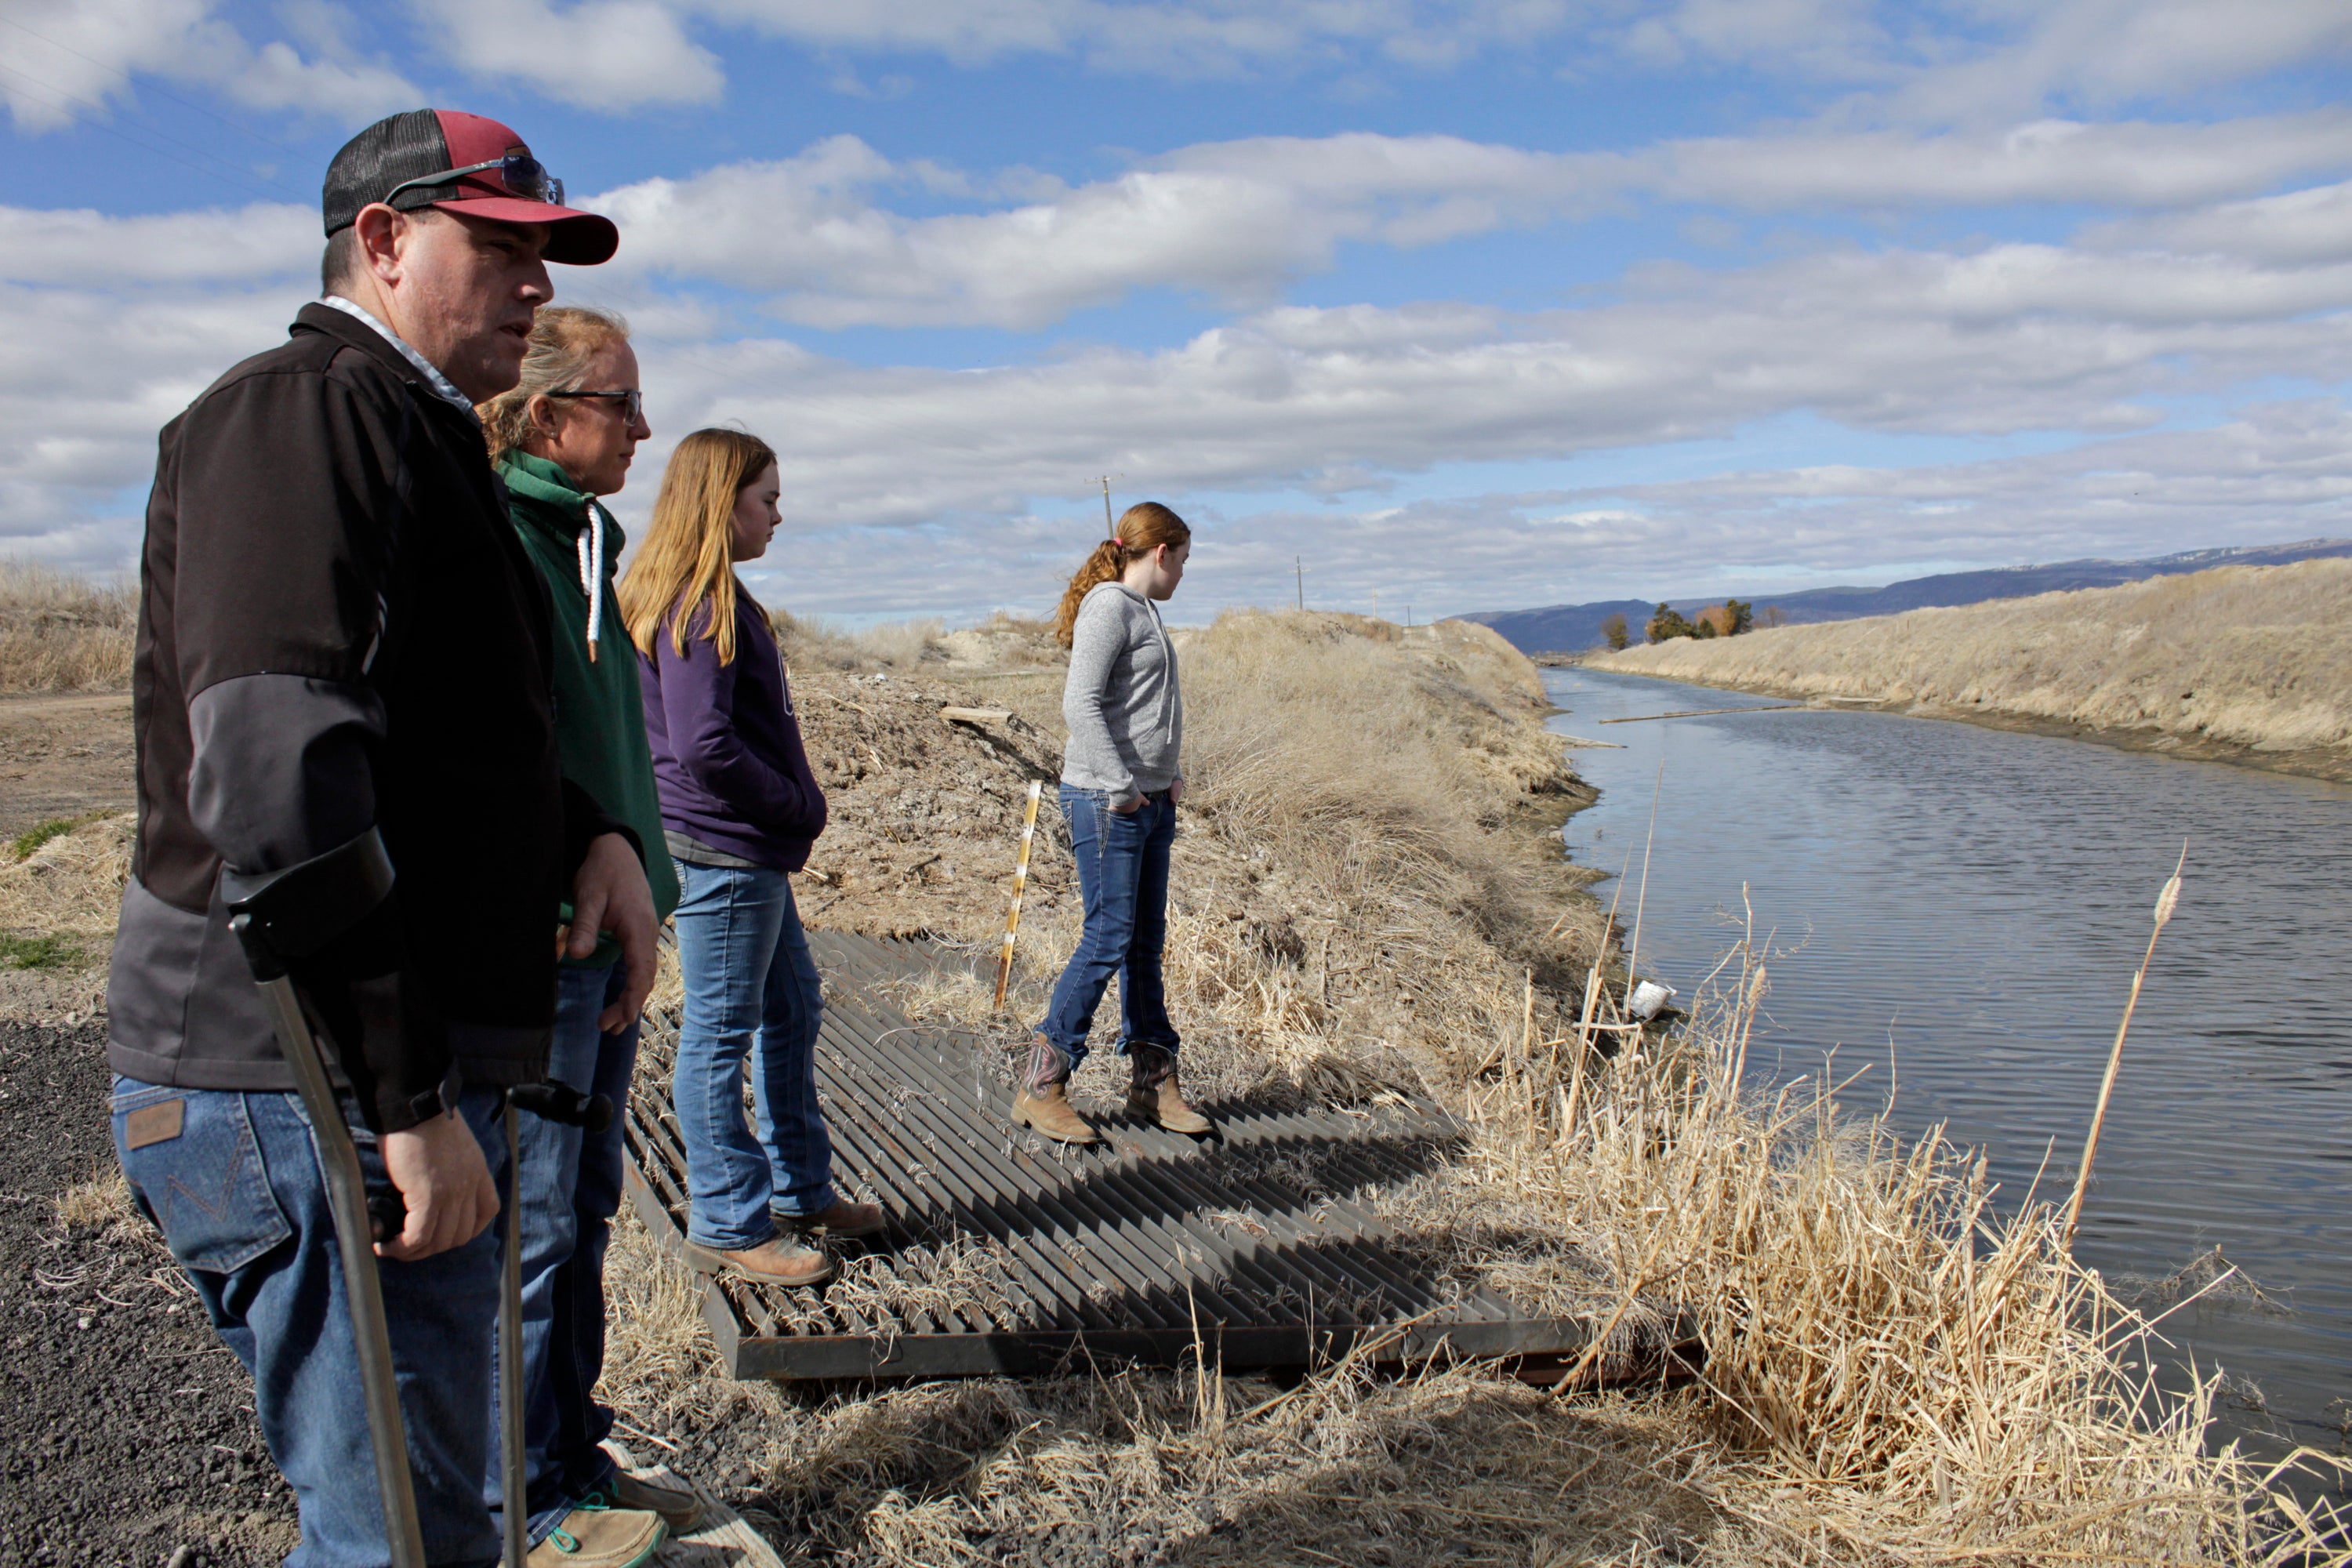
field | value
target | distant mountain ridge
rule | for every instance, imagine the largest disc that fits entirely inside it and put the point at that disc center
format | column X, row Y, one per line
column 1573, row 628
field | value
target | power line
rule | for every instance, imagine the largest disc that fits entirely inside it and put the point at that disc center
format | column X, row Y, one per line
column 65, row 102
column 158, row 93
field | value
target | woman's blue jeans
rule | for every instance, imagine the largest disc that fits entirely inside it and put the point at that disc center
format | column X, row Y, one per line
column 569, row 1188
column 748, row 980
column 1123, row 879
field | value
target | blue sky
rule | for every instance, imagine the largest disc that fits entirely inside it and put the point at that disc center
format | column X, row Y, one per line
column 1473, row 306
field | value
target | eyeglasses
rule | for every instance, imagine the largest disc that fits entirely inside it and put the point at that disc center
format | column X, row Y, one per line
column 632, row 402
column 522, row 174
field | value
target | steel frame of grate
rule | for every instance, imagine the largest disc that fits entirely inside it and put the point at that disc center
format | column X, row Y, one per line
column 1250, row 1251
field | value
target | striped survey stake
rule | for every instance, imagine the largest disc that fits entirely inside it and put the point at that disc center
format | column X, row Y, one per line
column 1020, row 882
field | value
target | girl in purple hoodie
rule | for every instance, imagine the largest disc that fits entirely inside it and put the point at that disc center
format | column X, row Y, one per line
column 739, row 809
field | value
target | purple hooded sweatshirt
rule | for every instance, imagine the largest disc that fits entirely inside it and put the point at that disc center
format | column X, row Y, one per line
column 727, row 760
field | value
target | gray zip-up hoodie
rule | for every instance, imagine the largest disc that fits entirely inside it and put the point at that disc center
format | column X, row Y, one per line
column 1123, row 703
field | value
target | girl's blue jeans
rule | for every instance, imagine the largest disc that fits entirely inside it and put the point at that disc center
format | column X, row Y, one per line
column 750, row 981
column 1123, row 879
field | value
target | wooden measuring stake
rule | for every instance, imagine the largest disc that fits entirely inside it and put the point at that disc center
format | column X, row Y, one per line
column 1020, row 882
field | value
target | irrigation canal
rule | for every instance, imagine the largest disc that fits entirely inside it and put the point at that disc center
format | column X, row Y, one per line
column 1961, row 908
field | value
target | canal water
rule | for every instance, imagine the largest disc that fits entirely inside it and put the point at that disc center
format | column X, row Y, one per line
column 1961, row 908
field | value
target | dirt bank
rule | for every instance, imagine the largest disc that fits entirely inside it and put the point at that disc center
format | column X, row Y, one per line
column 2249, row 665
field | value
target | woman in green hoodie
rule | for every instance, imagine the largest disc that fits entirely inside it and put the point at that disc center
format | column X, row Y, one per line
column 563, row 437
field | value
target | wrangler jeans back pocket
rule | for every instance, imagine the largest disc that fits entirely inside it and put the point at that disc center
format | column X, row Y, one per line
column 197, row 1167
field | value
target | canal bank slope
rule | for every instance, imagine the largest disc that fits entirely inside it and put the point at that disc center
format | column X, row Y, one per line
column 2242, row 664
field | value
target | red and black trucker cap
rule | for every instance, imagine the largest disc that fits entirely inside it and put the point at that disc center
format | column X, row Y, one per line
column 395, row 160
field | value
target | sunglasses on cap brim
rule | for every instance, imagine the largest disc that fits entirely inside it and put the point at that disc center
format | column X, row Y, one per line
column 523, row 175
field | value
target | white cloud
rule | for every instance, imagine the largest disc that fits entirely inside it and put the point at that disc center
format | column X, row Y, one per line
column 2297, row 228
column 86, row 247
column 2117, row 163
column 64, row 59
column 2120, row 51
column 611, row 54
column 1207, row 38
column 2273, row 474
column 106, row 326
column 1236, row 221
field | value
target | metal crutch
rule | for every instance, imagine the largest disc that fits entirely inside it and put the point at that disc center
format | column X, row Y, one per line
column 278, row 919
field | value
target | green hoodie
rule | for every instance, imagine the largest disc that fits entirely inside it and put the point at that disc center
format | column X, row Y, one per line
column 600, row 717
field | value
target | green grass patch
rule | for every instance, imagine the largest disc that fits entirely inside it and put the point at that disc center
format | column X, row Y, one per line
column 51, row 951
column 23, row 845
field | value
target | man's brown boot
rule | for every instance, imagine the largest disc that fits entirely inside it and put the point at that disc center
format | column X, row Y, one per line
column 1044, row 1103
column 1155, row 1095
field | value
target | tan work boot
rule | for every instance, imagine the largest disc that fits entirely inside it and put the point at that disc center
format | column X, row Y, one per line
column 1043, row 1103
column 1155, row 1096
column 1047, row 1112
column 679, row 1508
column 843, row 1218
column 774, row 1262
column 594, row 1536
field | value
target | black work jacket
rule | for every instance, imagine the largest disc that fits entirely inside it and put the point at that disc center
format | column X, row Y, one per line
column 337, row 630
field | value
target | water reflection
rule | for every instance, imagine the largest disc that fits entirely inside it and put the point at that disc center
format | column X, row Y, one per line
column 1962, row 909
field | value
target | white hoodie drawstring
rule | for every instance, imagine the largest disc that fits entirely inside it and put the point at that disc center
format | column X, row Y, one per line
column 592, row 574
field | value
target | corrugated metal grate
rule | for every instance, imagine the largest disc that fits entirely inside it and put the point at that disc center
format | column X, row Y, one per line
column 1010, row 1255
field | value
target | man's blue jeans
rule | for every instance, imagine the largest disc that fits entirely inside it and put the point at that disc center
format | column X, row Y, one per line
column 749, row 978
column 237, row 1193
column 1123, row 879
column 570, row 1188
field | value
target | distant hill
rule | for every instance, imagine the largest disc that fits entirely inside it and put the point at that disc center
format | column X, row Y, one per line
column 1572, row 627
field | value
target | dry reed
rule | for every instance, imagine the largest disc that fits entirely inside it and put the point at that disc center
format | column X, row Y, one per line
column 2259, row 657
column 63, row 633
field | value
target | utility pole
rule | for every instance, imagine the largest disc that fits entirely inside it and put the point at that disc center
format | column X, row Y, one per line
column 1300, row 563
column 1376, row 604
column 1110, row 527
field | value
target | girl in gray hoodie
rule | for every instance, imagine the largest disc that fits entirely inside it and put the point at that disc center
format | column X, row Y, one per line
column 1121, row 778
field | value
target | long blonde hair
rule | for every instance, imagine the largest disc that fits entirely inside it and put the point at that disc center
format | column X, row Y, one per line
column 686, row 562
column 1143, row 528
column 563, row 339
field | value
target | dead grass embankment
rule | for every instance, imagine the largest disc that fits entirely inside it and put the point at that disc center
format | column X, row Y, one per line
column 2240, row 663
column 1896, row 1372
column 63, row 633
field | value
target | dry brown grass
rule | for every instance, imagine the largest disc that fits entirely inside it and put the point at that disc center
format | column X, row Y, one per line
column 63, row 633
column 57, row 908
column 811, row 642
column 102, row 1200
column 2258, row 657
column 1897, row 1372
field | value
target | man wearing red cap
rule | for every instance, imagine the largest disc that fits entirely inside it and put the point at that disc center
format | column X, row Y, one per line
column 341, row 638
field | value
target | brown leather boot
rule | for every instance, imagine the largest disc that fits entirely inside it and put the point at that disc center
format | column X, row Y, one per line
column 1155, row 1095
column 778, row 1261
column 1047, row 1112
column 1044, row 1103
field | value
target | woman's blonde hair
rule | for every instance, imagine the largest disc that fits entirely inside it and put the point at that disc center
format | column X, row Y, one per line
column 563, row 339
column 686, row 562
column 1143, row 528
